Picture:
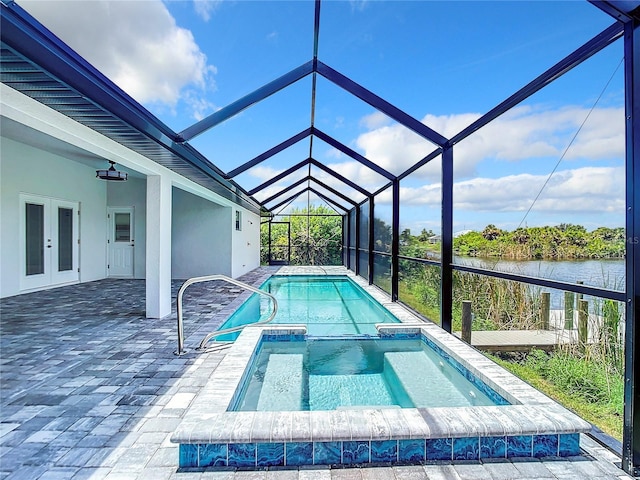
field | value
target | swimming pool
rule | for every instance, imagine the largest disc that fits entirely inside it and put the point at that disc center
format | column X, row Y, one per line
column 327, row 374
column 327, row 305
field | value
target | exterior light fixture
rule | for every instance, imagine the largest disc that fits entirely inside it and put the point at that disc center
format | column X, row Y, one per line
column 111, row 173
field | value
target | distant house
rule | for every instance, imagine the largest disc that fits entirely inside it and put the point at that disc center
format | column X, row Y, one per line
column 438, row 238
column 61, row 120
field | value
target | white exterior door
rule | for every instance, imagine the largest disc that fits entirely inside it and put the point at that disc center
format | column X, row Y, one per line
column 49, row 242
column 120, row 242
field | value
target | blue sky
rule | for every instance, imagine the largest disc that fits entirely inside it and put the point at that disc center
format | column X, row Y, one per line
column 444, row 63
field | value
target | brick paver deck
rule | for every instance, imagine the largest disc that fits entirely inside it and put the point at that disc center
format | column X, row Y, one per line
column 90, row 388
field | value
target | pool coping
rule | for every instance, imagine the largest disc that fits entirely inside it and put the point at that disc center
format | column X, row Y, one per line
column 533, row 426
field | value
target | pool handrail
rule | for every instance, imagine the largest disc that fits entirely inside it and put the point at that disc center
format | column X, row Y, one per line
column 207, row 338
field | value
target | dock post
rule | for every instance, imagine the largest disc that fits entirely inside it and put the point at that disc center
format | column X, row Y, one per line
column 545, row 310
column 579, row 295
column 569, row 304
column 583, row 322
column 466, row 321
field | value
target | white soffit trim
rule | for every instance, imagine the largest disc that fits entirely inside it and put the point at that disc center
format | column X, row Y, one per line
column 33, row 114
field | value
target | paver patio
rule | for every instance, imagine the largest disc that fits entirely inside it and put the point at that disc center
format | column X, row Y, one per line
column 90, row 388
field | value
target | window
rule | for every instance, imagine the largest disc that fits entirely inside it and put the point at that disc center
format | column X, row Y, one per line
column 122, row 227
column 238, row 220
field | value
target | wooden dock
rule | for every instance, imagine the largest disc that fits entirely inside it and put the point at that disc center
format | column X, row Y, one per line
column 526, row 340
column 521, row 340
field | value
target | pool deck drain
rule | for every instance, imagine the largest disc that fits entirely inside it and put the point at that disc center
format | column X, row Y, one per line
column 101, row 397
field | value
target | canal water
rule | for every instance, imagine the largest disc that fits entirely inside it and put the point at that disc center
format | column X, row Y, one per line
column 609, row 274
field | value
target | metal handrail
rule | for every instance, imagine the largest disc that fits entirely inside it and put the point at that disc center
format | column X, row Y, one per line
column 207, row 338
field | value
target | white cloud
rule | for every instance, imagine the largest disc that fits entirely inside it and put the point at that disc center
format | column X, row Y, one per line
column 205, row 8
column 199, row 105
column 364, row 177
column 525, row 133
column 358, row 5
column 393, row 147
column 138, row 45
column 334, row 153
column 375, row 120
column 587, row 189
column 522, row 133
column 264, row 173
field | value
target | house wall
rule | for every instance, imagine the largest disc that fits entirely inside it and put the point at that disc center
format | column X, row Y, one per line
column 34, row 169
column 246, row 243
column 133, row 193
column 201, row 237
column 26, row 169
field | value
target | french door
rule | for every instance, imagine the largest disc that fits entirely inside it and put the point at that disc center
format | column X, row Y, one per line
column 49, row 242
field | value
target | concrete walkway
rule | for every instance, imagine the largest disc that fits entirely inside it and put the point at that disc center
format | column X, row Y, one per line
column 91, row 389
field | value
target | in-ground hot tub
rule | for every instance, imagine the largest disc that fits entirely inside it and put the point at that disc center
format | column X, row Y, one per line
column 337, row 373
column 526, row 424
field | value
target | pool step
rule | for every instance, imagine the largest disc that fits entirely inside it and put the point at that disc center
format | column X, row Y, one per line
column 282, row 385
column 416, row 373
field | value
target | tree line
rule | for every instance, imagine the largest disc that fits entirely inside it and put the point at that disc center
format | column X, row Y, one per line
column 564, row 241
column 317, row 240
column 313, row 236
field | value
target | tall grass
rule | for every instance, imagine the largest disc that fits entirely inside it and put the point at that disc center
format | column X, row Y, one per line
column 497, row 304
column 578, row 382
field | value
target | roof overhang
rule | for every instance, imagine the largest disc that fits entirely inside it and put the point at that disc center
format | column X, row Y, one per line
column 38, row 64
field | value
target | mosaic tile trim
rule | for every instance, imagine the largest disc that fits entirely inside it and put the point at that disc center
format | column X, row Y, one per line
column 359, row 452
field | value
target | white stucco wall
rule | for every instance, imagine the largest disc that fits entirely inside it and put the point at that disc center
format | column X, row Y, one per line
column 246, row 243
column 201, row 237
column 133, row 193
column 25, row 169
column 31, row 170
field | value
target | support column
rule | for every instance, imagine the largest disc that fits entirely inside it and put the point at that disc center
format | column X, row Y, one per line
column 345, row 241
column 631, row 432
column 357, row 245
column 348, row 222
column 269, row 251
column 371, row 236
column 395, row 239
column 446, row 273
column 158, row 260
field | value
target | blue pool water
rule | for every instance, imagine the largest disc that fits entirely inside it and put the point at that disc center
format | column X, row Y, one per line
column 328, row 374
column 327, row 305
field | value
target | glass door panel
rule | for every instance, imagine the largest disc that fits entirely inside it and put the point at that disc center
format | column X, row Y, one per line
column 34, row 239
column 122, row 227
column 64, row 251
column 65, row 239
